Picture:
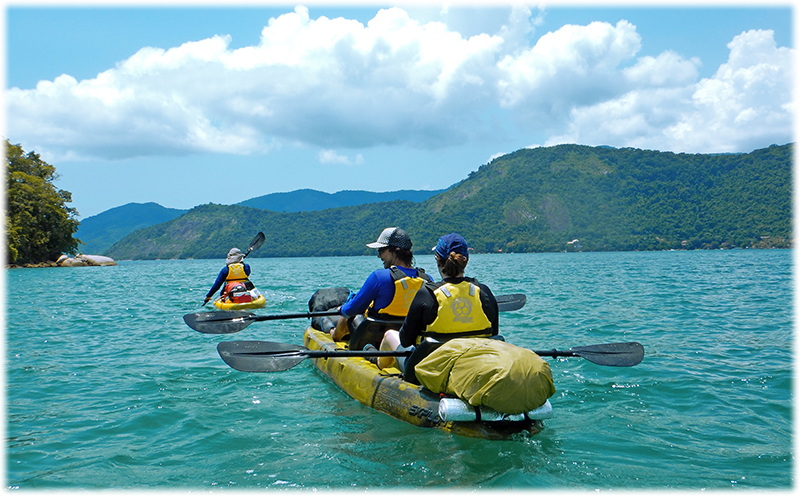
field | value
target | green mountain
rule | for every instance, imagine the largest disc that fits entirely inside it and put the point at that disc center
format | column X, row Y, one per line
column 566, row 197
column 622, row 199
column 99, row 232
column 303, row 200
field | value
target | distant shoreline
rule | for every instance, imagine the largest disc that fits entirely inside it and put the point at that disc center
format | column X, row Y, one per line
column 39, row 265
column 42, row 265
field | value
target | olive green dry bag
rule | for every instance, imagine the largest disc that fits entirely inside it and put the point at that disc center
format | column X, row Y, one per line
column 488, row 372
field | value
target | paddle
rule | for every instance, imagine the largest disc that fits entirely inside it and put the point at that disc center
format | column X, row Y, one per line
column 230, row 321
column 510, row 302
column 255, row 244
column 267, row 356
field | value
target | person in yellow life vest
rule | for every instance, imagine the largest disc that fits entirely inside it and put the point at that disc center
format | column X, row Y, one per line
column 234, row 273
column 455, row 307
column 387, row 292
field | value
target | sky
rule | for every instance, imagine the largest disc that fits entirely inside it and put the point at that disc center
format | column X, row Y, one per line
column 198, row 103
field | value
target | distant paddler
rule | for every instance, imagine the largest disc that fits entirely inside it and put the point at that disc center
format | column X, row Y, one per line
column 236, row 272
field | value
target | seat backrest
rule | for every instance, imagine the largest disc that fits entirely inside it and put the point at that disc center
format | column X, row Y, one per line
column 370, row 331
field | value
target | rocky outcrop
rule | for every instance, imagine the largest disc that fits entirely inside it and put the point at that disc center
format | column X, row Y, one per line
column 82, row 260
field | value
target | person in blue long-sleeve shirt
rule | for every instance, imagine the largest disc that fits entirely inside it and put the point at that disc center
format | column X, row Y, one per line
column 235, row 272
column 386, row 292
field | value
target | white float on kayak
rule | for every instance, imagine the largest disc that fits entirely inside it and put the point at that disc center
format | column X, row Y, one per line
column 456, row 410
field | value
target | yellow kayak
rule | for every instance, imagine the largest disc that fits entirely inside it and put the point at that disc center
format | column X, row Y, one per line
column 386, row 391
column 257, row 300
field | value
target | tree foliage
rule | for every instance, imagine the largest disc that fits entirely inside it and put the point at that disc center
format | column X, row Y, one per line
column 532, row 200
column 39, row 224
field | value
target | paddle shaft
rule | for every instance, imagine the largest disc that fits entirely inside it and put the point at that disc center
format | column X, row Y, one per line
column 230, row 321
column 267, row 356
column 507, row 300
column 235, row 321
column 325, row 354
column 371, row 353
column 309, row 315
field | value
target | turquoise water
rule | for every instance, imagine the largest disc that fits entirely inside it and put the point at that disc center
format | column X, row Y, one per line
column 107, row 388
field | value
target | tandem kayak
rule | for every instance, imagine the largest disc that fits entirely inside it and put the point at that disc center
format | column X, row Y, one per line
column 249, row 300
column 386, row 391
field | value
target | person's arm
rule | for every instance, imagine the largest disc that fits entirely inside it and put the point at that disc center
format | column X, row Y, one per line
column 366, row 295
column 247, row 270
column 421, row 313
column 223, row 274
column 489, row 304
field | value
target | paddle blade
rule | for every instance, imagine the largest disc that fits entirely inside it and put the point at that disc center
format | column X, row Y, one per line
column 510, row 302
column 256, row 243
column 221, row 322
column 611, row 354
column 260, row 356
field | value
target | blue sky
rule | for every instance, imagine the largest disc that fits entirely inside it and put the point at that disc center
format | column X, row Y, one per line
column 188, row 105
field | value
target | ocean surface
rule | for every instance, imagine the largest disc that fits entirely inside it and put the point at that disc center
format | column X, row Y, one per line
column 107, row 388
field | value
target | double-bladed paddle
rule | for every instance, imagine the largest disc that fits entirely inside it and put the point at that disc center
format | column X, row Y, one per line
column 230, row 321
column 267, row 356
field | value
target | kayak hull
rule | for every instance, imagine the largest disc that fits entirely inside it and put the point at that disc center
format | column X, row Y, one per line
column 258, row 302
column 385, row 391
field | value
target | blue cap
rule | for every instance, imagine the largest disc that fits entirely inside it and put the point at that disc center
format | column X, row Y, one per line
column 451, row 242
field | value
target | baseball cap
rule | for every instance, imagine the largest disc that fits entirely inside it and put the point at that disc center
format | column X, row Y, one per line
column 392, row 236
column 451, row 242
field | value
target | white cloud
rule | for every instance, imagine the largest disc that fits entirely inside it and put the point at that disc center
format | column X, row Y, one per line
column 745, row 105
column 337, row 83
column 668, row 69
column 574, row 65
column 749, row 99
column 332, row 157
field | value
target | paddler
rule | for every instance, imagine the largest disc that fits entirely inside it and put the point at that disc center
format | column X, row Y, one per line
column 235, row 273
column 450, row 326
column 387, row 292
column 455, row 307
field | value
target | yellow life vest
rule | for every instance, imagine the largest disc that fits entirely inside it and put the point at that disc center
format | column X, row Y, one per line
column 405, row 288
column 460, row 313
column 236, row 272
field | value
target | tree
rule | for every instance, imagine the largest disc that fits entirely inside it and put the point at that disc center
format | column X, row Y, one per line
column 39, row 224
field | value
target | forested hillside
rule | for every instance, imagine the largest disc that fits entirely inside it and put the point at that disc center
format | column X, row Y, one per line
column 99, row 232
column 622, row 199
column 566, row 197
column 205, row 230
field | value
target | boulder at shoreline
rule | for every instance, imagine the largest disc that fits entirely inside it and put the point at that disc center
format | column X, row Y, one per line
column 82, row 260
